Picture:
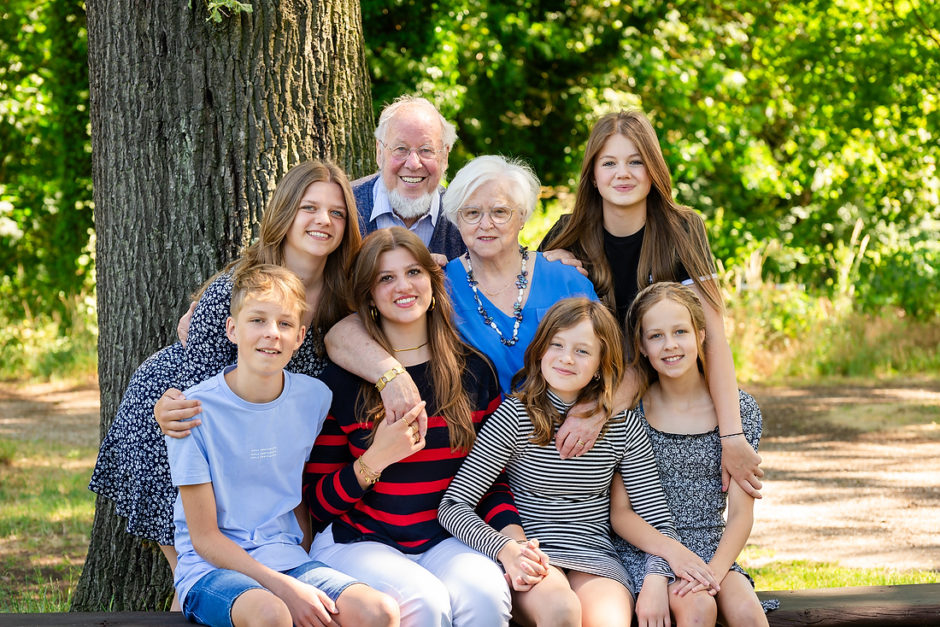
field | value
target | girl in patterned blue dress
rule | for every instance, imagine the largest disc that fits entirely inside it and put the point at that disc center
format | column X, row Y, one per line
column 575, row 356
column 666, row 327
column 304, row 228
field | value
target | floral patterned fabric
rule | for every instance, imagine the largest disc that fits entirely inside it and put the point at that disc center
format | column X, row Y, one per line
column 690, row 471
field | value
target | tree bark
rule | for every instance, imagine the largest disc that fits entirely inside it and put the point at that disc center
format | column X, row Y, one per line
column 193, row 122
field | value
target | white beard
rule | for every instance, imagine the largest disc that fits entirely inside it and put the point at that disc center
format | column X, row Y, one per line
column 409, row 208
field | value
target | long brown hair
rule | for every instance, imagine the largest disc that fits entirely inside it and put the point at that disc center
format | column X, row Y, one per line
column 276, row 222
column 633, row 329
column 532, row 387
column 673, row 232
column 448, row 353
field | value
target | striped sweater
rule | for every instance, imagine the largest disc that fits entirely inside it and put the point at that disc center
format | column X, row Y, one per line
column 565, row 503
column 401, row 509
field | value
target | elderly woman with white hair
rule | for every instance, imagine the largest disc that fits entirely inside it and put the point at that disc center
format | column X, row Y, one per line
column 500, row 290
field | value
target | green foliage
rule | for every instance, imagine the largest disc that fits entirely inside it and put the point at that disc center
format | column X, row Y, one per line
column 783, row 332
column 50, row 347
column 45, row 157
column 787, row 122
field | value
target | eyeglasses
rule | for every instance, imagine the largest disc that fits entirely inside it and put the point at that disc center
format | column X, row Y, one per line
column 472, row 215
column 400, row 153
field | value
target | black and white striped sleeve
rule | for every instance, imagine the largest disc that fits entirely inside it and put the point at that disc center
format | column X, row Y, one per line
column 494, row 446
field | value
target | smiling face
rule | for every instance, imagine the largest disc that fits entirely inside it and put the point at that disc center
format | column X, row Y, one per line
column 572, row 358
column 487, row 239
column 621, row 176
column 319, row 224
column 413, row 177
column 669, row 339
column 267, row 334
column 402, row 289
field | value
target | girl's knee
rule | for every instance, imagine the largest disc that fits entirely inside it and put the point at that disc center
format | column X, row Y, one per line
column 561, row 609
column 426, row 603
column 260, row 608
column 694, row 609
column 480, row 600
column 744, row 613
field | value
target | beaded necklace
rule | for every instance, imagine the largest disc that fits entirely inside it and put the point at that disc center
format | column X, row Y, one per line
column 521, row 282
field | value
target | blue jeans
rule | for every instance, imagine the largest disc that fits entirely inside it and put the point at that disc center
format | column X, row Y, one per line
column 210, row 600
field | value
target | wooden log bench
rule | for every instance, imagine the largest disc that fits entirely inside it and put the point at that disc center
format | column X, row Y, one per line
column 868, row 606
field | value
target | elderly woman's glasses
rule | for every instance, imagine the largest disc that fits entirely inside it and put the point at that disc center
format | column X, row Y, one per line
column 400, row 153
column 498, row 215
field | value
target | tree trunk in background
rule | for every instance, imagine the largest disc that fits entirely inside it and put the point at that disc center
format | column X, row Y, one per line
column 193, row 122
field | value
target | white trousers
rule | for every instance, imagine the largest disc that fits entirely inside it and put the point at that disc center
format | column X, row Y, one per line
column 449, row 584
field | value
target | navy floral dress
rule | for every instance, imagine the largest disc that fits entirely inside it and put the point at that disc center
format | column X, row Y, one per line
column 690, row 471
column 132, row 468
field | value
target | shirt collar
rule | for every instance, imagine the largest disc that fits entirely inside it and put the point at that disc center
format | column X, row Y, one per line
column 381, row 205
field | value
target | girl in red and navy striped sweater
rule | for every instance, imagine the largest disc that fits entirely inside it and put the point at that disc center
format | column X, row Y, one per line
column 374, row 486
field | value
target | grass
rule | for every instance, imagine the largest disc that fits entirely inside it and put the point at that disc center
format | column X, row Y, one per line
column 805, row 574
column 780, row 332
column 46, row 513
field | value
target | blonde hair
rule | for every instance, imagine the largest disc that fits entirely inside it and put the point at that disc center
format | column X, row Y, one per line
column 633, row 329
column 532, row 387
column 673, row 232
column 448, row 352
column 276, row 222
column 268, row 282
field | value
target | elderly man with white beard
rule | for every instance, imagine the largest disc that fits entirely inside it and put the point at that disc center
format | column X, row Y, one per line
column 412, row 143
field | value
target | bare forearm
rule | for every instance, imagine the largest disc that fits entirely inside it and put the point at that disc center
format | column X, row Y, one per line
column 516, row 532
column 625, row 395
column 631, row 527
column 352, row 348
column 723, row 386
column 221, row 552
column 737, row 531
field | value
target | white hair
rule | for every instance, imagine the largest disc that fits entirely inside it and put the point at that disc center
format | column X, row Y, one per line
column 525, row 185
column 448, row 132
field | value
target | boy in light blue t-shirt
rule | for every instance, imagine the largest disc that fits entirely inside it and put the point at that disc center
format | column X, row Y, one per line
column 239, row 537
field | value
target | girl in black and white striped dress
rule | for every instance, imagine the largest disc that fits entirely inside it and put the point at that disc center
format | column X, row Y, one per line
column 576, row 356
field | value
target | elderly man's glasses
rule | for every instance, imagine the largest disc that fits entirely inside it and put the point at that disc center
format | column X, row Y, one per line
column 472, row 215
column 400, row 153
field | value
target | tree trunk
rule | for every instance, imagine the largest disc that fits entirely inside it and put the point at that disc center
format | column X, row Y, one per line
column 193, row 122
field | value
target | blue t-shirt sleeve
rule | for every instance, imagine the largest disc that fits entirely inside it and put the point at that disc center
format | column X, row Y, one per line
column 189, row 463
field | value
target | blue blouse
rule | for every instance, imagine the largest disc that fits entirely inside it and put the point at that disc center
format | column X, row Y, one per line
column 550, row 281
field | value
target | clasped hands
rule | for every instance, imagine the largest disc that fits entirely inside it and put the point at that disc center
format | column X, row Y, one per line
column 524, row 562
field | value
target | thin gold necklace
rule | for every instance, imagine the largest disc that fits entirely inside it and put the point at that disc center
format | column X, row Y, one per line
column 413, row 348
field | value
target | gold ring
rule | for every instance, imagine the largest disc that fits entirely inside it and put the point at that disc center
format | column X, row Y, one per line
column 580, row 442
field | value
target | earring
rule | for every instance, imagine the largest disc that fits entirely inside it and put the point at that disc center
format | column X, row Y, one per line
column 597, row 375
column 374, row 312
column 433, row 304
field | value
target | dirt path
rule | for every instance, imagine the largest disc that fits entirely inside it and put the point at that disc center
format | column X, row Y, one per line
column 842, row 484
column 852, row 475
